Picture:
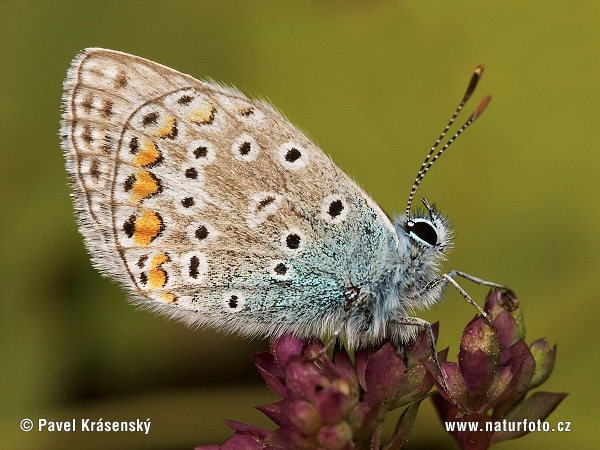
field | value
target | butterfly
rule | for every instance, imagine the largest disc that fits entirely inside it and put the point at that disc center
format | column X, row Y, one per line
column 214, row 209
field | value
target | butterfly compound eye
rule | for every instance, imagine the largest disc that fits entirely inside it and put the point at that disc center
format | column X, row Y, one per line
column 425, row 232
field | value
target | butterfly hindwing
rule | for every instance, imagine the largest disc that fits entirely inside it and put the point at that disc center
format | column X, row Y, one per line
column 212, row 207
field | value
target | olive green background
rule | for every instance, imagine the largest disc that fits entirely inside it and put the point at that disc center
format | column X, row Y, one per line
column 373, row 83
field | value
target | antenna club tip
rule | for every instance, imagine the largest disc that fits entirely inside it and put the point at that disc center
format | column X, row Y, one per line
column 481, row 107
column 473, row 83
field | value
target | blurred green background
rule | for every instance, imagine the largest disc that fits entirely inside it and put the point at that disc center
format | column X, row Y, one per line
column 373, row 83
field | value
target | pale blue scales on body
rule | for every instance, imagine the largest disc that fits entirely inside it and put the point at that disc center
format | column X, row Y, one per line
column 214, row 209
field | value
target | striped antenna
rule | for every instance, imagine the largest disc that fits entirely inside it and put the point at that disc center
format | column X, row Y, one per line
column 431, row 157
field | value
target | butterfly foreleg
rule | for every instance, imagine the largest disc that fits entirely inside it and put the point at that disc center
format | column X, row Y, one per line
column 448, row 278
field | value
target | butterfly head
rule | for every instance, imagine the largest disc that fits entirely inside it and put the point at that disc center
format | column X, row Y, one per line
column 427, row 231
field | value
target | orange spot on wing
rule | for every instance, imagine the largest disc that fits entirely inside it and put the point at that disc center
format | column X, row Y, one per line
column 147, row 155
column 204, row 114
column 147, row 227
column 244, row 110
column 145, row 185
column 167, row 129
column 168, row 297
column 157, row 276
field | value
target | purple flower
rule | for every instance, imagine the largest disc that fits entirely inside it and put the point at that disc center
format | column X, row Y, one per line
column 335, row 403
column 495, row 371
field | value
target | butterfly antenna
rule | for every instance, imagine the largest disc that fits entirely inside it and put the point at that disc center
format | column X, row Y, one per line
column 431, row 158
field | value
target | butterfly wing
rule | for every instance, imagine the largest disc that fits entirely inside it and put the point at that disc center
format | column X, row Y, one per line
column 212, row 207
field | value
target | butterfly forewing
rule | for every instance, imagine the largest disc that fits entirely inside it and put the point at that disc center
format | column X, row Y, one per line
column 210, row 206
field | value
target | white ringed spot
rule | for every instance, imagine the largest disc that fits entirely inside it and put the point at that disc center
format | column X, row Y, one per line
column 192, row 174
column 188, row 203
column 201, row 233
column 334, row 209
column 245, row 148
column 201, row 152
column 292, row 156
column 281, row 270
column 292, row 240
column 261, row 206
column 233, row 301
column 194, row 267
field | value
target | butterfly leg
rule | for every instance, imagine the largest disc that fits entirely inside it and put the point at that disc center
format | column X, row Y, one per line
column 466, row 276
column 448, row 278
column 467, row 297
column 333, row 338
column 424, row 325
